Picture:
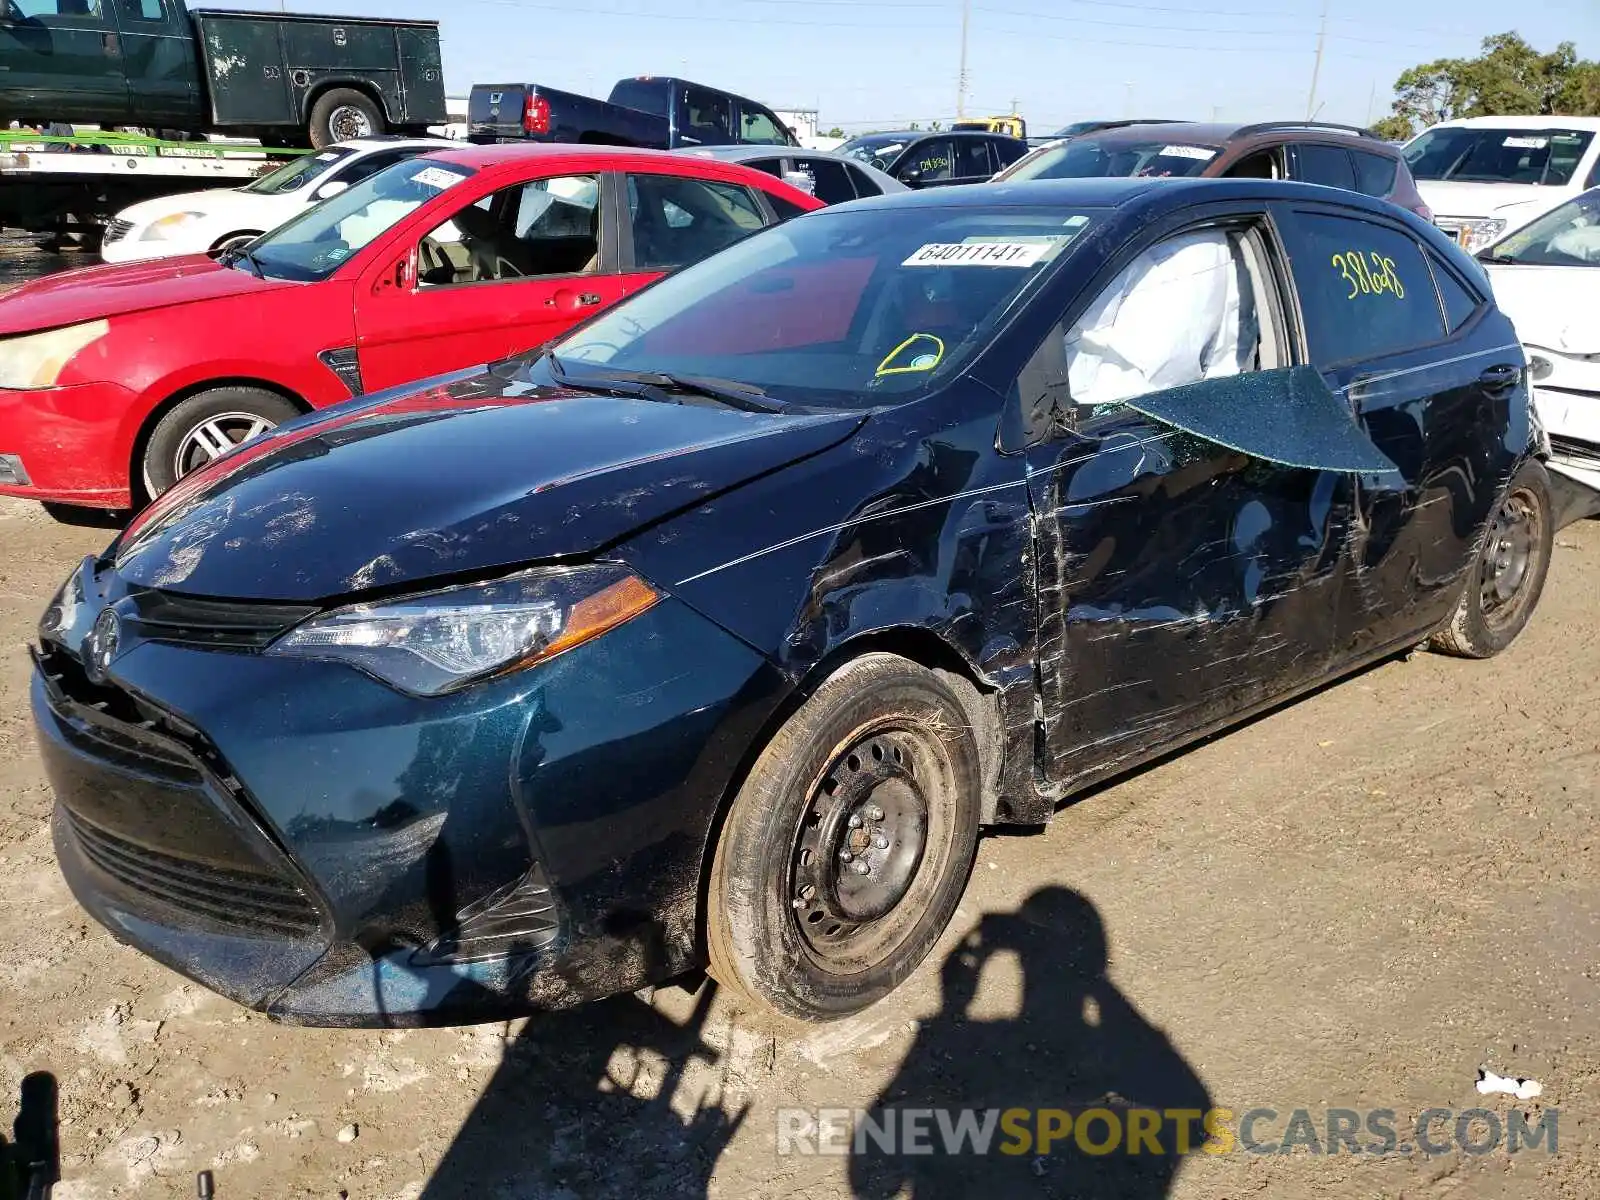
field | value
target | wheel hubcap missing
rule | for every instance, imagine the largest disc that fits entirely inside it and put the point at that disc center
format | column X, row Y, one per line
column 1508, row 556
column 861, row 841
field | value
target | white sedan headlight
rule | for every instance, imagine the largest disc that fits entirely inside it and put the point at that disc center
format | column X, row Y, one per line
column 35, row 360
column 169, row 227
column 436, row 643
column 1478, row 234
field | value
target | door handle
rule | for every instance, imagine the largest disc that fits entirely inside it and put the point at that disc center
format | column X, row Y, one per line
column 588, row 299
column 1500, row 377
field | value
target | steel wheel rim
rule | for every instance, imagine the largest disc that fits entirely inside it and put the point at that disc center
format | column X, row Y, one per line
column 1509, row 556
column 347, row 122
column 870, row 808
column 211, row 438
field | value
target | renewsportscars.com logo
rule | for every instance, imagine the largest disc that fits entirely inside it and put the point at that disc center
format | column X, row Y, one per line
column 1151, row 1131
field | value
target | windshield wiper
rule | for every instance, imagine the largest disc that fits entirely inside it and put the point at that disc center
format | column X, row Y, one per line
column 653, row 385
column 1498, row 259
column 236, row 253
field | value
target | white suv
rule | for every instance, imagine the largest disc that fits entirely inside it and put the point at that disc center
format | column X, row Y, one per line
column 1485, row 176
column 203, row 222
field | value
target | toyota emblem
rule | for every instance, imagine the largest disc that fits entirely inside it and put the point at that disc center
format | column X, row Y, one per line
column 104, row 640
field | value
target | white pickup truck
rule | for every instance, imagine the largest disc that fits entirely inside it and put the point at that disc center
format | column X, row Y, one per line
column 1486, row 176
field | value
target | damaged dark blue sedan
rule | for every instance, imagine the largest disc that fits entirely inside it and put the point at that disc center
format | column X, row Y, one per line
column 714, row 633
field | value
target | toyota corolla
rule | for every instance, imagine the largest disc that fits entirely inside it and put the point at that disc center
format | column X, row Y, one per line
column 715, row 633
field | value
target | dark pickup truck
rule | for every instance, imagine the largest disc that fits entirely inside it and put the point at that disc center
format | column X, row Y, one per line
column 287, row 79
column 652, row 112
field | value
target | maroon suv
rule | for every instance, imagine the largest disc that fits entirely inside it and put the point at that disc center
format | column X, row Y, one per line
column 1341, row 156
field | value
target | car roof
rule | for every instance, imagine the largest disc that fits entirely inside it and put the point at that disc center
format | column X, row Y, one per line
column 1218, row 134
column 513, row 156
column 389, row 141
column 1521, row 122
column 1153, row 196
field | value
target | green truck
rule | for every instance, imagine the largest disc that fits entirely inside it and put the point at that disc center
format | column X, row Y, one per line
column 287, row 79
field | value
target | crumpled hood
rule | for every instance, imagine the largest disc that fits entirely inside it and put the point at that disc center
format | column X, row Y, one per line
column 1514, row 203
column 474, row 472
column 90, row 293
column 1553, row 307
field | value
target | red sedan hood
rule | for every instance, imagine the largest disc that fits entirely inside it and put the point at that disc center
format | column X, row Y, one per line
column 109, row 291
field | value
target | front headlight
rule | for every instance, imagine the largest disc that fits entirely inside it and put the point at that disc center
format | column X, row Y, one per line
column 164, row 229
column 1480, row 233
column 436, row 643
column 35, row 360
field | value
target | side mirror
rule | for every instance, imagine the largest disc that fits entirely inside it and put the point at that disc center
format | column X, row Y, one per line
column 329, row 190
column 911, row 177
column 401, row 276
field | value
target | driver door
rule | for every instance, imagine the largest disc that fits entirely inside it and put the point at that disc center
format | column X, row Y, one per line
column 503, row 274
column 1191, row 509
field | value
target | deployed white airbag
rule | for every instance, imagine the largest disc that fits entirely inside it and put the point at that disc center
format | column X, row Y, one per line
column 1172, row 317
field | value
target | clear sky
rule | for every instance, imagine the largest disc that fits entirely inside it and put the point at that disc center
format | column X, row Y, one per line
column 882, row 63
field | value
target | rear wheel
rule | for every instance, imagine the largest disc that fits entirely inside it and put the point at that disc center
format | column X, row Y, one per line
column 342, row 114
column 205, row 426
column 848, row 847
column 1505, row 581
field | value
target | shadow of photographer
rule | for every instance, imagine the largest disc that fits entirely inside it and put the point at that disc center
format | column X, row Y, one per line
column 1077, row 1063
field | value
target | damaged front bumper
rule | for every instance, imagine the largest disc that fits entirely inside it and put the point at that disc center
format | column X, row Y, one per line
column 312, row 844
column 1571, row 420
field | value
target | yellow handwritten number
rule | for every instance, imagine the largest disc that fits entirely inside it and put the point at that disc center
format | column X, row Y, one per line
column 1375, row 280
column 1343, row 264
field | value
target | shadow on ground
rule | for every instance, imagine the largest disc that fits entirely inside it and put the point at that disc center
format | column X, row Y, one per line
column 563, row 1116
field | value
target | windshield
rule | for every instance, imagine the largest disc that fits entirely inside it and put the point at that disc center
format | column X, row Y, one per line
column 314, row 244
column 1093, row 158
column 296, row 174
column 877, row 152
column 1478, row 155
column 1568, row 236
column 841, row 310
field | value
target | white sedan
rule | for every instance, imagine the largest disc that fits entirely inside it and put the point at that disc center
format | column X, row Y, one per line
column 1546, row 278
column 204, row 222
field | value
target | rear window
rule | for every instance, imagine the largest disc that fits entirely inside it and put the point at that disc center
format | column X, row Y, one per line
column 1477, row 155
column 1365, row 289
column 646, row 95
column 1325, row 165
column 1090, row 158
column 1375, row 173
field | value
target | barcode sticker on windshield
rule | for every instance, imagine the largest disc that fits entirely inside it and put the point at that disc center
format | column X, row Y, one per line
column 1526, row 143
column 981, row 254
column 1198, row 153
column 437, row 177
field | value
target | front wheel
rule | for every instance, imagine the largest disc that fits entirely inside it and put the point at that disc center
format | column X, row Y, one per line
column 847, row 849
column 205, row 426
column 1507, row 577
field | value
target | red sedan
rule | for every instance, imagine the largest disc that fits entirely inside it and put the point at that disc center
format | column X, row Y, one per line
column 117, row 381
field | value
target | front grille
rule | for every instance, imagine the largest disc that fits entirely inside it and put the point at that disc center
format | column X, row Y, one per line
column 1584, row 454
column 228, row 897
column 116, row 231
column 164, row 617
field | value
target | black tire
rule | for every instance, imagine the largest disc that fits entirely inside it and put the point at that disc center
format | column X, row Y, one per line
column 179, row 441
column 1507, row 576
column 791, row 929
column 337, row 116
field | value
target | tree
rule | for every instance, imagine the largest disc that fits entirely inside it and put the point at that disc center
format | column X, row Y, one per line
column 835, row 132
column 1509, row 76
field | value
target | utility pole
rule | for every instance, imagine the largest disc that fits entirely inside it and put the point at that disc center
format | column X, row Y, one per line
column 1316, row 69
column 1127, row 100
column 1372, row 101
column 961, row 76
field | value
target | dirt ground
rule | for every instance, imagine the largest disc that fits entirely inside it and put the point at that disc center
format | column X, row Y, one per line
column 1355, row 902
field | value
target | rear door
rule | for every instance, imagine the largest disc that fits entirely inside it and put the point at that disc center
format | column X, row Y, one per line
column 1191, row 487
column 503, row 273
column 61, row 60
column 1443, row 398
column 670, row 221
